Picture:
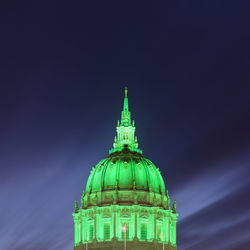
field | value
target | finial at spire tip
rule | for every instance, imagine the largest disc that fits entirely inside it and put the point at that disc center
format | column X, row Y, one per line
column 126, row 92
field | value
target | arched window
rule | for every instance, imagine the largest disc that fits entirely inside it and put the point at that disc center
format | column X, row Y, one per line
column 143, row 231
column 125, row 136
column 106, row 231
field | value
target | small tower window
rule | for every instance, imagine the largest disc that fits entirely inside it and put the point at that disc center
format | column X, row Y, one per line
column 143, row 231
column 106, row 231
column 125, row 136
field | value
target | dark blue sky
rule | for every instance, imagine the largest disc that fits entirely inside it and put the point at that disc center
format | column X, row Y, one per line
column 64, row 66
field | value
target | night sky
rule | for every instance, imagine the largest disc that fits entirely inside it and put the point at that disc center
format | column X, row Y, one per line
column 64, row 66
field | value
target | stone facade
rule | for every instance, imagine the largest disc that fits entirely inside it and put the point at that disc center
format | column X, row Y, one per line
column 144, row 225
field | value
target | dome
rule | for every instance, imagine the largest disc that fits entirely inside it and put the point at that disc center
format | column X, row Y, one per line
column 125, row 176
column 125, row 170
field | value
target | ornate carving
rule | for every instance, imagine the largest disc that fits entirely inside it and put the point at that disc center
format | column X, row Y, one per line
column 143, row 213
column 159, row 215
column 142, row 197
column 90, row 215
column 108, row 197
column 125, row 212
column 154, row 199
column 94, row 199
column 125, row 196
column 106, row 213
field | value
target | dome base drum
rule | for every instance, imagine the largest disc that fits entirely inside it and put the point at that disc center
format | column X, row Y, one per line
column 145, row 226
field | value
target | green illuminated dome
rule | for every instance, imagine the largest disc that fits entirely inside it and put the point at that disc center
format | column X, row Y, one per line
column 125, row 170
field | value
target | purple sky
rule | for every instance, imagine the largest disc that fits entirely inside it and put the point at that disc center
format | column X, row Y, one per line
column 64, row 67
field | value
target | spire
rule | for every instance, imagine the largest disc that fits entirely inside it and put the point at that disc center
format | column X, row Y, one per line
column 174, row 207
column 125, row 118
column 125, row 130
column 82, row 198
column 168, row 200
column 76, row 207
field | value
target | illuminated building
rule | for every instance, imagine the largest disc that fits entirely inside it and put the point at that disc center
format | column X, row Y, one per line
column 125, row 204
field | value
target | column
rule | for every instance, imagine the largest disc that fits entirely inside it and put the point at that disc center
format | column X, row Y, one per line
column 154, row 214
column 114, row 222
column 135, row 236
column 80, row 231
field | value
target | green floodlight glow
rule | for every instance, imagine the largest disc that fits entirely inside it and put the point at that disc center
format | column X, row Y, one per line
column 125, row 199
